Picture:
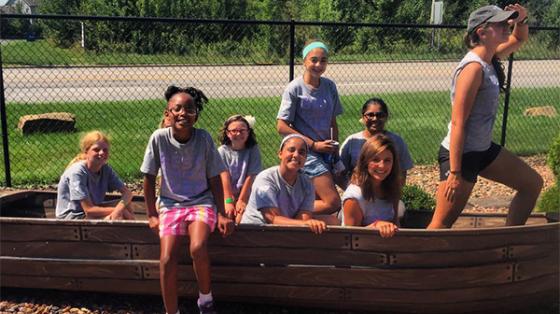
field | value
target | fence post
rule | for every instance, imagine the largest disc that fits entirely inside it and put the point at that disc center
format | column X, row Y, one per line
column 506, row 100
column 4, row 125
column 292, row 48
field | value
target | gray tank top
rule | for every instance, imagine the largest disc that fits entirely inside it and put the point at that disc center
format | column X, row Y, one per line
column 478, row 131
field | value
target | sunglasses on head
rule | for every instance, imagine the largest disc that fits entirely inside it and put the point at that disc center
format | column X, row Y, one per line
column 378, row 115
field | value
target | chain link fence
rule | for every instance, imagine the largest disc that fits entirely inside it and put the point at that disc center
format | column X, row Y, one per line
column 111, row 73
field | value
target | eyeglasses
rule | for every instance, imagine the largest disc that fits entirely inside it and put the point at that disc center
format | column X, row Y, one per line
column 378, row 115
column 237, row 131
column 189, row 112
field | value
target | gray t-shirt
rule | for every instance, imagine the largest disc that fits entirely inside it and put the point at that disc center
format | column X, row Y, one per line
column 350, row 151
column 77, row 183
column 310, row 111
column 270, row 190
column 479, row 124
column 241, row 163
column 185, row 167
column 377, row 210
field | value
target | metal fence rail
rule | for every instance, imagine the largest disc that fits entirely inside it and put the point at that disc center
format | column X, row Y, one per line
column 115, row 83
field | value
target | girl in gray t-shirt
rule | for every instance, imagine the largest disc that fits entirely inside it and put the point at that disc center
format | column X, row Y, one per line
column 310, row 105
column 191, row 196
column 242, row 157
column 371, row 200
column 283, row 195
column 83, row 185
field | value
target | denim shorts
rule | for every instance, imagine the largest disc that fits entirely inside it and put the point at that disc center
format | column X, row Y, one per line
column 315, row 165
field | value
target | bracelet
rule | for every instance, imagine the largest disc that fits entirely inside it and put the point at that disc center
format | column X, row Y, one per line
column 312, row 146
column 229, row 200
column 524, row 21
column 123, row 202
column 455, row 172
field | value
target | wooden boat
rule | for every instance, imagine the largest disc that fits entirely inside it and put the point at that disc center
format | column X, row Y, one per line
column 474, row 267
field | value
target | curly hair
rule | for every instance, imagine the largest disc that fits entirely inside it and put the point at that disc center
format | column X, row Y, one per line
column 198, row 96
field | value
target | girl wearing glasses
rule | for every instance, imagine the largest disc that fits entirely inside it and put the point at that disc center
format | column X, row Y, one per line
column 309, row 107
column 241, row 155
column 191, row 197
column 375, row 114
column 468, row 151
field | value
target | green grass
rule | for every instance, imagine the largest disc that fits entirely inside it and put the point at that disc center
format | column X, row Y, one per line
column 420, row 118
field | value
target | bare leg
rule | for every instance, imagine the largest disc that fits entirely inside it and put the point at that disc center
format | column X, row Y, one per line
column 198, row 233
column 447, row 212
column 168, row 271
column 328, row 200
column 510, row 170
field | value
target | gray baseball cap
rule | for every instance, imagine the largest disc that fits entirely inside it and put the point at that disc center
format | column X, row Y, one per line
column 489, row 13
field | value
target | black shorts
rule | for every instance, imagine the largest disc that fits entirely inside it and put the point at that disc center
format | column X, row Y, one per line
column 472, row 163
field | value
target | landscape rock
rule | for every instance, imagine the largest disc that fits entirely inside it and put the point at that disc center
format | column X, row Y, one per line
column 547, row 111
column 47, row 123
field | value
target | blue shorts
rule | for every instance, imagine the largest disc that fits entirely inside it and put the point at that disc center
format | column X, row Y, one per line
column 315, row 165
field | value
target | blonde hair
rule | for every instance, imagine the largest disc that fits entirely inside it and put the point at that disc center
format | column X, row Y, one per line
column 86, row 142
column 391, row 185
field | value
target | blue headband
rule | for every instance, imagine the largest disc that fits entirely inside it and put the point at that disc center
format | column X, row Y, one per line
column 313, row 45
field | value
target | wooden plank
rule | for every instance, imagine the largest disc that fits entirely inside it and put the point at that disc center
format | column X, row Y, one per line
column 448, row 258
column 72, row 250
column 307, row 276
column 491, row 222
column 285, row 236
column 36, row 232
column 519, row 252
column 139, row 234
column 41, row 267
column 464, row 222
column 526, row 304
column 54, row 283
column 520, row 289
column 455, row 239
column 536, row 268
column 220, row 255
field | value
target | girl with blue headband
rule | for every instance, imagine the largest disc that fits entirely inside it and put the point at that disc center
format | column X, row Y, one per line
column 309, row 107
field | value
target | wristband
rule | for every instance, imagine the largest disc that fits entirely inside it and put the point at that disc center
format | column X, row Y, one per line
column 524, row 21
column 229, row 200
column 455, row 172
column 123, row 202
column 312, row 146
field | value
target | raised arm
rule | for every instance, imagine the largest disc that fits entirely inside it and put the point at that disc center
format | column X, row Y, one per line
column 518, row 36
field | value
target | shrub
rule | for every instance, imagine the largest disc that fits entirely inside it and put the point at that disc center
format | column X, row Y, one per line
column 554, row 157
column 549, row 201
column 415, row 198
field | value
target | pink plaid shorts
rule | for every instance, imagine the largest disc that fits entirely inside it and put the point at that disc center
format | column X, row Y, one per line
column 174, row 221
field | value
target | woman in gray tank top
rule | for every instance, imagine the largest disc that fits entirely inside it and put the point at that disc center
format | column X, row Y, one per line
column 468, row 151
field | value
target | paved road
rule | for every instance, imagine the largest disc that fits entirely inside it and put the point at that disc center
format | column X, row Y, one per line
column 127, row 83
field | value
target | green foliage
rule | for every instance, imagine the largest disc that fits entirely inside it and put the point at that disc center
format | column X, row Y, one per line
column 553, row 158
column 105, row 36
column 415, row 198
column 549, row 201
